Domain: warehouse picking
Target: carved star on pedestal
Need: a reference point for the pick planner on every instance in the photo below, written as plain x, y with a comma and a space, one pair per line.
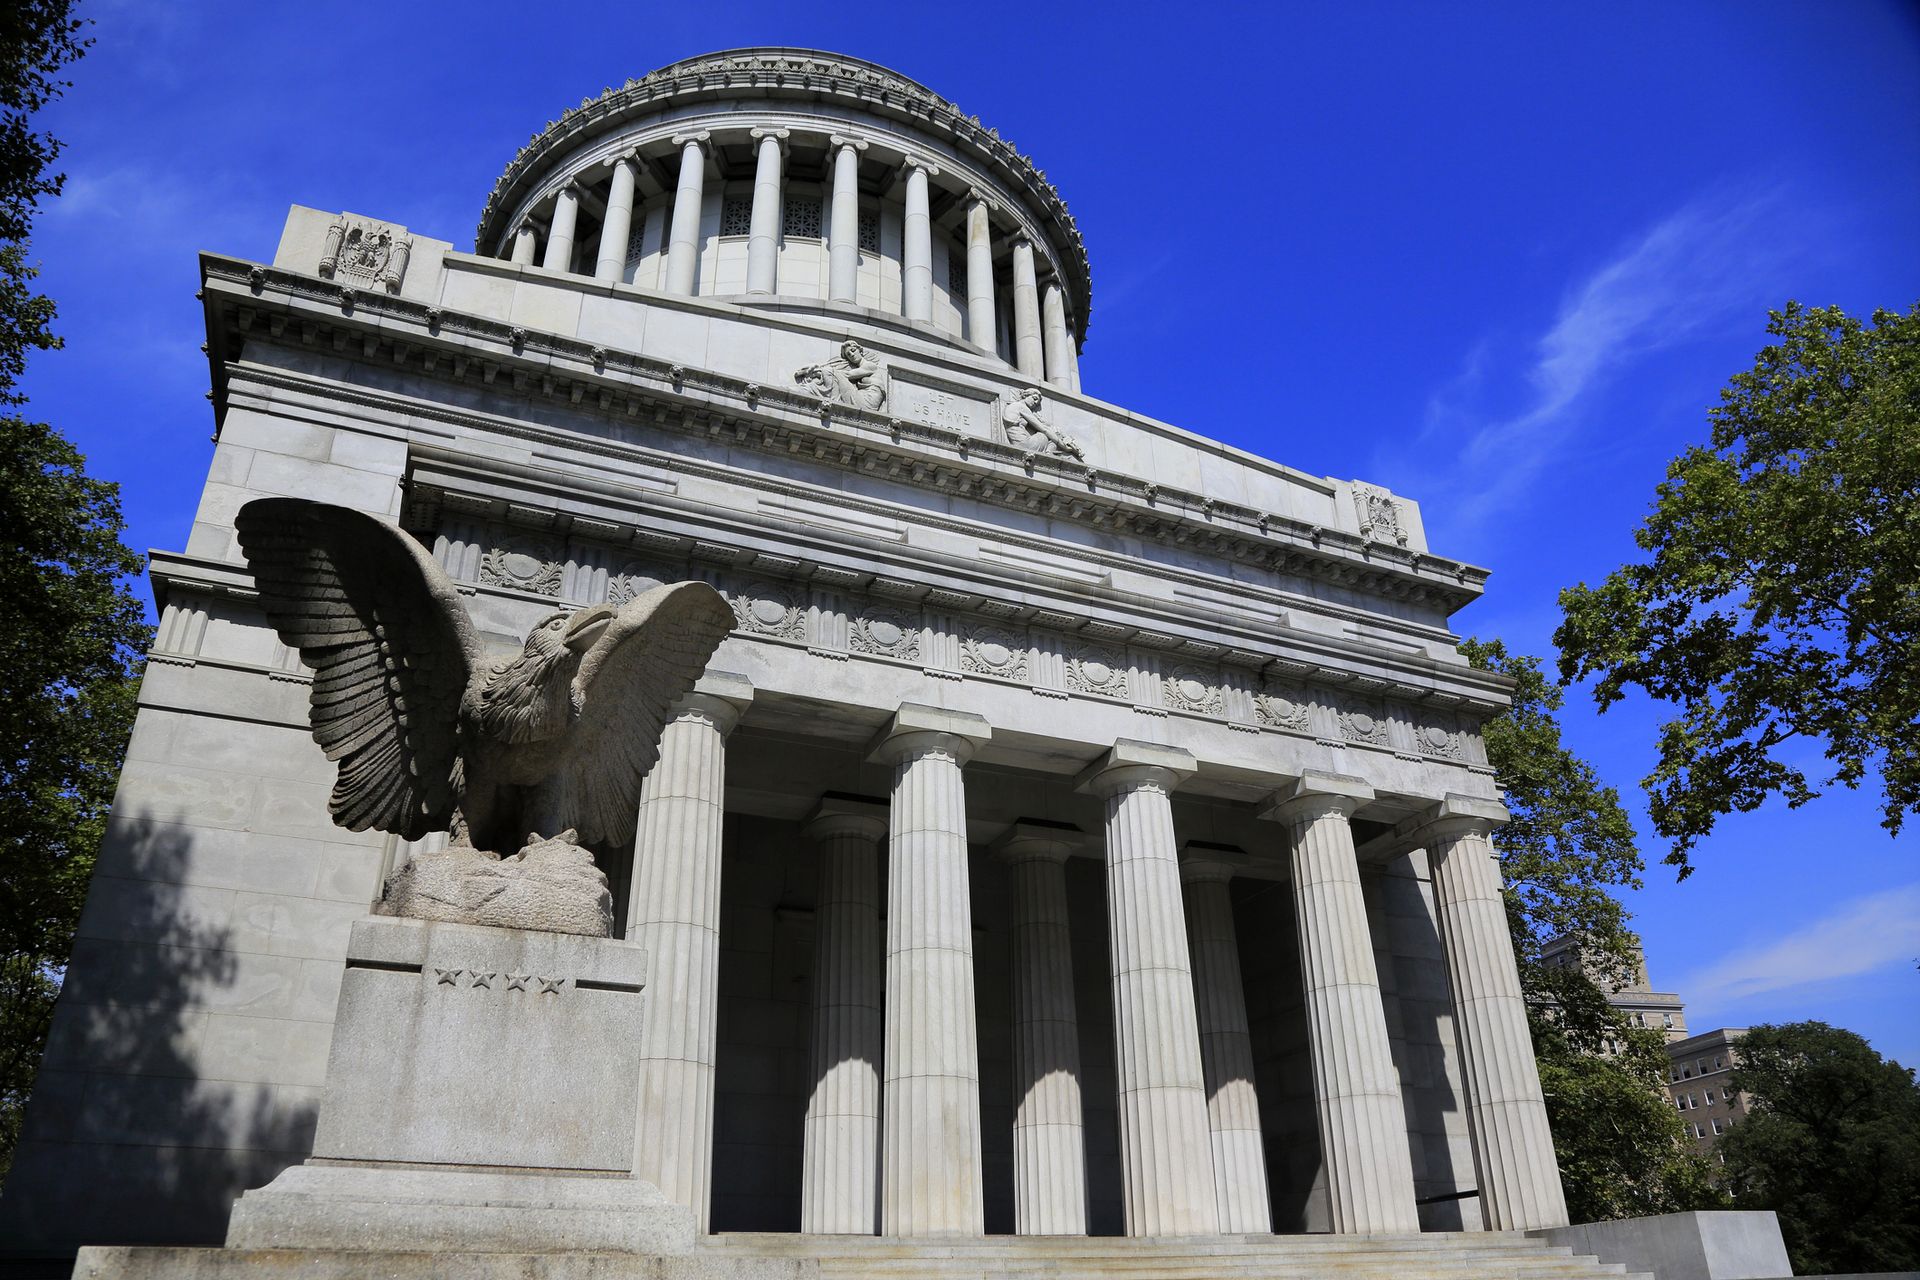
448, 977
550, 986
481, 979
518, 981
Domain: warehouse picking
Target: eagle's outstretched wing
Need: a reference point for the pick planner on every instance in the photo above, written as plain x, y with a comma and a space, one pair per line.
391, 648
650, 654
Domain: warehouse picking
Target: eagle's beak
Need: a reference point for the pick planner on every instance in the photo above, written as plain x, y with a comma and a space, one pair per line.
585, 627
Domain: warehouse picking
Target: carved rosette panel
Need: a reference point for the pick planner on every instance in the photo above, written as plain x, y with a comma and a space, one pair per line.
1191, 688
1440, 736
990, 650
1363, 720
769, 609
525, 563
1283, 706
890, 633
1091, 669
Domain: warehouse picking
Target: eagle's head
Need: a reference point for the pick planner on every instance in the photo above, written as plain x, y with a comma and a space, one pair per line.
528, 699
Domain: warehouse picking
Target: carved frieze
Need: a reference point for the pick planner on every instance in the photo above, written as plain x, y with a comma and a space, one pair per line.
524, 562
1283, 706
1362, 719
1192, 688
634, 578
888, 632
1092, 669
1438, 734
769, 608
992, 650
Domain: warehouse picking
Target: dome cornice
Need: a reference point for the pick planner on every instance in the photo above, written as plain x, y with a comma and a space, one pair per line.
806, 74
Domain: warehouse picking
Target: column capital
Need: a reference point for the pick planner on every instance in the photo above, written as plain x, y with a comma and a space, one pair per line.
841, 141
1448, 818
1130, 766
779, 136
1315, 794
931, 169
844, 815
917, 729
1045, 841
719, 697
976, 196
683, 139
1202, 863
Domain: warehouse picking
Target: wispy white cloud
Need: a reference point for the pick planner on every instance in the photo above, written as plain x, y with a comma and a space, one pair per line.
1708, 263
1869, 933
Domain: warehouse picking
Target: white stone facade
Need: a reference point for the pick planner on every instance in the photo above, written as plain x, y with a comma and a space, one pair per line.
993, 706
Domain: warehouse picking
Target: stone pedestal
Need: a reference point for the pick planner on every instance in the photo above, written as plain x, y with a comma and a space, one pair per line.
479, 1097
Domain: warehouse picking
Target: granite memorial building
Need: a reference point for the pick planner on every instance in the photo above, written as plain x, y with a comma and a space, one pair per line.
1085, 829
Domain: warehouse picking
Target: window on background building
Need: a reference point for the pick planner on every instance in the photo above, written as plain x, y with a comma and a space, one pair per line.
1719, 1062
1667, 1019
1717, 1131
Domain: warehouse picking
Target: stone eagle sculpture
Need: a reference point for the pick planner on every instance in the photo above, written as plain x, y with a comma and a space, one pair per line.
427, 733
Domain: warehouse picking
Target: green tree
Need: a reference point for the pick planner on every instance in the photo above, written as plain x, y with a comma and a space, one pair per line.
1781, 599
1569, 847
70, 628
1832, 1145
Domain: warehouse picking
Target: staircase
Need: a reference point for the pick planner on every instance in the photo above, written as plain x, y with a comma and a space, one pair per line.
1466, 1255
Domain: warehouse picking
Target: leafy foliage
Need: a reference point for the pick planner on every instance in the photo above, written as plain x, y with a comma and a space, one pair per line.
1782, 597
1620, 1144
1832, 1146
70, 629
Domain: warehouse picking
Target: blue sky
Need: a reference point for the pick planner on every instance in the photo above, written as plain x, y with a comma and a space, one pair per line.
1499, 257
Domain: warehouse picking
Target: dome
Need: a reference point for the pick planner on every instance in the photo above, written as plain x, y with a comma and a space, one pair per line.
726, 175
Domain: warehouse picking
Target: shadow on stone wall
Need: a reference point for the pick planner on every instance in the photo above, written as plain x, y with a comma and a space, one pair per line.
131, 1136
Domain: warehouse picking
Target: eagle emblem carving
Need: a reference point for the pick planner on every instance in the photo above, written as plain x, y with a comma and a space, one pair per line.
427, 733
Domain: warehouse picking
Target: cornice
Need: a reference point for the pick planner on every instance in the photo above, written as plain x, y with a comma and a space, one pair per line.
806, 74
309, 311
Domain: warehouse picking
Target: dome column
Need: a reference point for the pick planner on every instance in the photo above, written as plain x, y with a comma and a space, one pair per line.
916, 255
566, 215
980, 309
763, 231
1028, 354
683, 241
526, 242
843, 226
617, 229
1059, 340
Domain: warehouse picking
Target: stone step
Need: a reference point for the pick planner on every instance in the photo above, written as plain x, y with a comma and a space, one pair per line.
1480, 1256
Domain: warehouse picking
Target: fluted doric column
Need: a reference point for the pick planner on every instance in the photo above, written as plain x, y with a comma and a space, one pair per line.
526, 244
840, 1144
843, 227
674, 912
683, 239
1226, 1048
930, 1174
1053, 309
1049, 1148
566, 215
981, 320
1363, 1123
617, 229
1512, 1146
916, 248
1028, 354
763, 230
1166, 1156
